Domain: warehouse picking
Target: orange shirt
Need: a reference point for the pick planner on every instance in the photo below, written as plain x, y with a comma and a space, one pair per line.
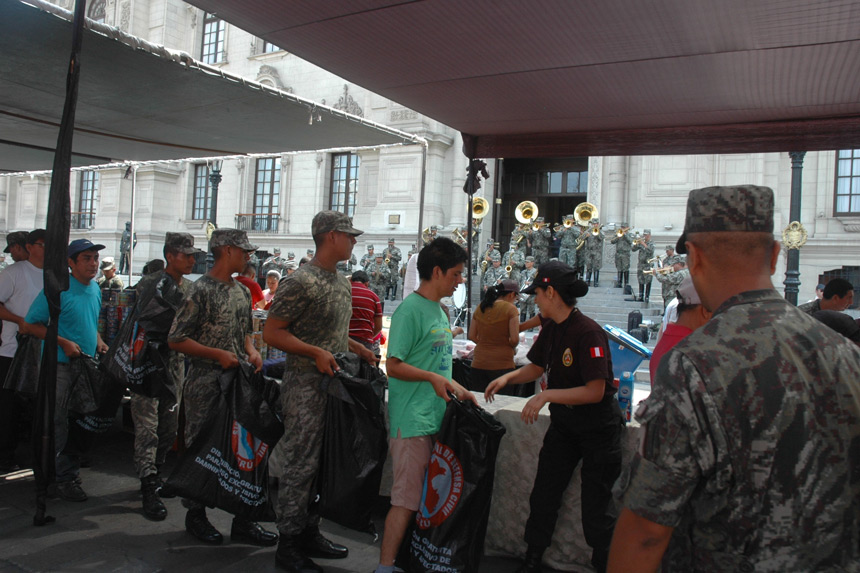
492, 349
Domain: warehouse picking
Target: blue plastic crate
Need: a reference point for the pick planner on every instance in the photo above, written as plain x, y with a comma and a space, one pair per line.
626, 351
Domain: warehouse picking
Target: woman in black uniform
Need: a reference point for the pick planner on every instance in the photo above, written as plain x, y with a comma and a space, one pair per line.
586, 421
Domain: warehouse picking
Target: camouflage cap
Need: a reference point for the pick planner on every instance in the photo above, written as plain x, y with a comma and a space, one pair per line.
670, 247
327, 221
646, 231
276, 250
231, 238
390, 239
107, 264
738, 208
310, 252
495, 256
291, 255
369, 248
15, 238
181, 243
530, 259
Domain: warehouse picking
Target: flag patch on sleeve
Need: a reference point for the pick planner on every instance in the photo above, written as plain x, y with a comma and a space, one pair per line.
597, 352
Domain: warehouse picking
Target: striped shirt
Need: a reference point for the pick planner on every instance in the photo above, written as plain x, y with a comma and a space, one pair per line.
365, 308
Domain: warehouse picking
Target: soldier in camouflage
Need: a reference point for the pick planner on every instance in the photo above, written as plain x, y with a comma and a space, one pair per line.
309, 320
275, 263
751, 434
380, 276
156, 419
367, 259
593, 250
516, 260
645, 248
394, 256
671, 258
527, 306
669, 282
494, 273
213, 328
538, 241
622, 257
567, 246
109, 279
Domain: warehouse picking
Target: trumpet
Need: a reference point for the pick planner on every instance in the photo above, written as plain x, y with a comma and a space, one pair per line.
621, 232
656, 260
387, 260
596, 230
537, 226
659, 271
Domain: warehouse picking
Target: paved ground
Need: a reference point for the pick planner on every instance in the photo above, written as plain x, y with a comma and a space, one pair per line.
109, 533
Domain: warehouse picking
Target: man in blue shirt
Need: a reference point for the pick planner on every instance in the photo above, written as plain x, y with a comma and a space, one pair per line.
77, 333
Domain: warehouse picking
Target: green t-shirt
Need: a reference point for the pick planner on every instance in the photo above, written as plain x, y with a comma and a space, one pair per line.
420, 336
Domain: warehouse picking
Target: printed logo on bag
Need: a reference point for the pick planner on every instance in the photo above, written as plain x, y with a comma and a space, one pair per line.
249, 451
442, 487
567, 357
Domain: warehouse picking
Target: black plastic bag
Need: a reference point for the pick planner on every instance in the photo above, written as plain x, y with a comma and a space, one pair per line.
23, 374
449, 528
138, 357
93, 400
355, 444
227, 465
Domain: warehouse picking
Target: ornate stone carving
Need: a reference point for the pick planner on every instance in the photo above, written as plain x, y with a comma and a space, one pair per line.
286, 161
594, 164
124, 16
794, 236
273, 76
96, 10
347, 104
192, 10
850, 224
402, 115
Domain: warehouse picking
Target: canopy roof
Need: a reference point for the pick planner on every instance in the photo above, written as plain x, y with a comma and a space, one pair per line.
591, 77
138, 101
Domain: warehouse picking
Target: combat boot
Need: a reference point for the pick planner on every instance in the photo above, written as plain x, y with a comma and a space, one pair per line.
316, 545
531, 564
596, 278
291, 558
197, 525
153, 507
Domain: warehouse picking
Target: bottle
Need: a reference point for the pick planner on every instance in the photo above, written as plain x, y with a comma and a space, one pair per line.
625, 395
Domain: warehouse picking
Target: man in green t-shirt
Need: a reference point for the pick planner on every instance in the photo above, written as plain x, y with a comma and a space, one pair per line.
419, 380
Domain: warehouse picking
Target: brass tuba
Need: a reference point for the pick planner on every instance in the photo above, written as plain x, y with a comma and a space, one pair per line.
526, 211
584, 213
480, 206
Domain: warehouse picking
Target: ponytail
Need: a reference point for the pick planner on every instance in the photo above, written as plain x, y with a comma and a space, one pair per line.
491, 296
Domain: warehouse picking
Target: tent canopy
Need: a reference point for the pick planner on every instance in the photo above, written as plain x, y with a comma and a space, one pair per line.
591, 77
138, 101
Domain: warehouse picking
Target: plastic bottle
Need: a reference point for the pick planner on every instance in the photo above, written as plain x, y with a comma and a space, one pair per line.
625, 395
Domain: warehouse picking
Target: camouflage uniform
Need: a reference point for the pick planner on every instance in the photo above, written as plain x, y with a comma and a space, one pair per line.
157, 419
394, 257
622, 257
114, 283
810, 307
527, 306
380, 276
275, 263
672, 259
367, 258
318, 305
747, 434
646, 252
593, 250
567, 248
492, 276
516, 260
670, 283
539, 241
217, 315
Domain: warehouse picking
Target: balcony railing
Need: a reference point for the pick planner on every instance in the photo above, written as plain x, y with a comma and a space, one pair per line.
258, 222
83, 220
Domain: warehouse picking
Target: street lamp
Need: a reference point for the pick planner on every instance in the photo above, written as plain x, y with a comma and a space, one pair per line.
214, 180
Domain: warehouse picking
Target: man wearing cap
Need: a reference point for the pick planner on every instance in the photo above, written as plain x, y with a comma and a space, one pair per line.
275, 262
567, 246
380, 276
538, 241
494, 273
622, 257
837, 295
527, 306
156, 418
393, 254
109, 280
751, 431
16, 245
645, 248
291, 256
593, 253
368, 258
309, 320
516, 260
310, 253
77, 333
671, 258
669, 282
19, 285
213, 327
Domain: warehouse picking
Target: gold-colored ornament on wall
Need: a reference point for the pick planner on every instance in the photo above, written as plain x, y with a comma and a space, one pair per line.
794, 236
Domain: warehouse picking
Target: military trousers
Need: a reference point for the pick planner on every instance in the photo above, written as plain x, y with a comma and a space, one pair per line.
303, 405
595, 440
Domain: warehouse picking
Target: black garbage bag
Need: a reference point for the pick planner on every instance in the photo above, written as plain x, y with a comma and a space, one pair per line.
23, 374
138, 357
355, 444
93, 401
227, 465
451, 522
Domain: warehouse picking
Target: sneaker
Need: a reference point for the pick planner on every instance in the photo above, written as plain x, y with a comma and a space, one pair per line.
71, 491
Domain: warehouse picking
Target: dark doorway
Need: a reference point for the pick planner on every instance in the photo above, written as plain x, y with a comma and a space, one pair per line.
556, 186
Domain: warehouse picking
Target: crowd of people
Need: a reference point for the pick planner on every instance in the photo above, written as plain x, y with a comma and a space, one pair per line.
751, 434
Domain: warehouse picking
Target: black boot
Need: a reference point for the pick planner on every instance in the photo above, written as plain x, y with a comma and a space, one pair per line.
647, 292
596, 278
588, 278
153, 507
251, 532
531, 564
641, 293
619, 282
290, 557
626, 278
315, 545
197, 525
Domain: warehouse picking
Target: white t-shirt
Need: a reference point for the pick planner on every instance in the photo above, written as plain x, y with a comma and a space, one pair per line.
410, 277
19, 285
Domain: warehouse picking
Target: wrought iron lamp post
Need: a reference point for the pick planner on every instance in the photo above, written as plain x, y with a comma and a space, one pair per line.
214, 181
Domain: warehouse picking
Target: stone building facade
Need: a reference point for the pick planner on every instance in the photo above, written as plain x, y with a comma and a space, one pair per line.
275, 198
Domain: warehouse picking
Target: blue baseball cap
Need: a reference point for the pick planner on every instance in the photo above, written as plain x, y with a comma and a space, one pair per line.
80, 245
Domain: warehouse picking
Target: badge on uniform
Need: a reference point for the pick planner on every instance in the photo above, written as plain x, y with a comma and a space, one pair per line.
597, 352
567, 357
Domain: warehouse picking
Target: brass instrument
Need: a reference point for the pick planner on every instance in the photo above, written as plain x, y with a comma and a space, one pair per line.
508, 270
621, 232
456, 232
657, 260
557, 227
537, 226
659, 271
426, 236
484, 264
568, 223
526, 211
596, 230
580, 242
480, 206
387, 260
584, 213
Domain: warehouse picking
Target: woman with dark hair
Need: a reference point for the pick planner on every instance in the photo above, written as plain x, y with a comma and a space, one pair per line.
495, 332
585, 420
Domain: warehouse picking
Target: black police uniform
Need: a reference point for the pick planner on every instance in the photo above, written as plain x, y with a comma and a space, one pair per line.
573, 353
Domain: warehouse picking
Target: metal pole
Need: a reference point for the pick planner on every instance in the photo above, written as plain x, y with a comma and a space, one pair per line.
214, 180
792, 270
131, 239
420, 239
